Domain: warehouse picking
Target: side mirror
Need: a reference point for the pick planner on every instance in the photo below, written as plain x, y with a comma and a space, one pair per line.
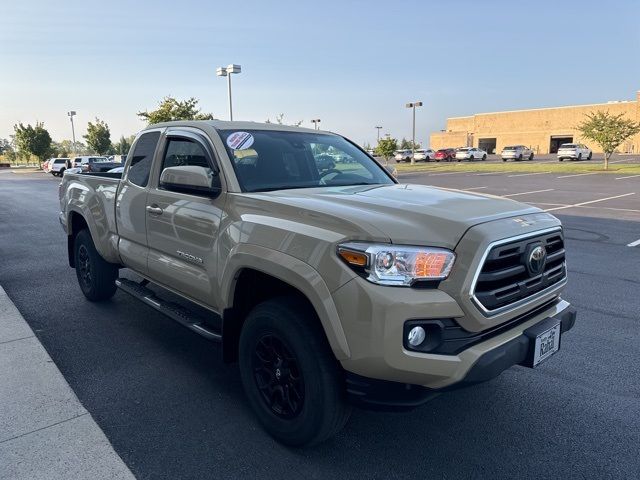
191, 179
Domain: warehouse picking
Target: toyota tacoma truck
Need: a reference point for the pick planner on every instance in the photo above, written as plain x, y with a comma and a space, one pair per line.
331, 286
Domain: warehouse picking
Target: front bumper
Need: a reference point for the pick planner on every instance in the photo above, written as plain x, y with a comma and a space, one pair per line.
378, 394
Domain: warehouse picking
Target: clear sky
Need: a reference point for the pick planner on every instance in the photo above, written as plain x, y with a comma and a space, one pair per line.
353, 64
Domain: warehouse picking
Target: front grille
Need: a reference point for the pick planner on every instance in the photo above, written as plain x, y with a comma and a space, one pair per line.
507, 277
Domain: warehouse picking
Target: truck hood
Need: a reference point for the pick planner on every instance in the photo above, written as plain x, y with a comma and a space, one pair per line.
406, 214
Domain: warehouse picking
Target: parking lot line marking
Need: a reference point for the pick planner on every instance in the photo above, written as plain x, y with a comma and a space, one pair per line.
549, 204
589, 202
634, 244
491, 173
448, 173
527, 193
474, 188
526, 174
578, 175
628, 176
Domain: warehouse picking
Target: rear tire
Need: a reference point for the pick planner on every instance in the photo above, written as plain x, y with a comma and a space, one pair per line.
484, 157
560, 159
531, 157
579, 157
590, 155
96, 276
290, 376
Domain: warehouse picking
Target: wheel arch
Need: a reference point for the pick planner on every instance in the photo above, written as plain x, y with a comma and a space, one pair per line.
254, 274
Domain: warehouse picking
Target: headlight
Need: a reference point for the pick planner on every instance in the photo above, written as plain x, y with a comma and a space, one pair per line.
397, 264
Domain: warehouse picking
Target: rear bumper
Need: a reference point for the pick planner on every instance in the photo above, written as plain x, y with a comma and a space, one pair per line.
377, 394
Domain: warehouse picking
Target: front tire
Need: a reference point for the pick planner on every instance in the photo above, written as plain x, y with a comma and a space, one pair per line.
290, 376
531, 157
96, 276
484, 157
579, 157
590, 155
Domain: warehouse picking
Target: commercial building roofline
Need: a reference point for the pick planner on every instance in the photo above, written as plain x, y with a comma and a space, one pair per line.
616, 102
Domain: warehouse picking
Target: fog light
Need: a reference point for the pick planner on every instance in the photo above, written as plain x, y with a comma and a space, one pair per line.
416, 336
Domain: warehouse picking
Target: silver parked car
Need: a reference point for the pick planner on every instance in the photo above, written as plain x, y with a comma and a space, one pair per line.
516, 152
402, 156
574, 151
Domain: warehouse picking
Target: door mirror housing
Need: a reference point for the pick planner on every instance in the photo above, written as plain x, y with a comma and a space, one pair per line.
193, 180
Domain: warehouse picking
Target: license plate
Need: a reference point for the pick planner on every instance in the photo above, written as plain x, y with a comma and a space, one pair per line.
547, 343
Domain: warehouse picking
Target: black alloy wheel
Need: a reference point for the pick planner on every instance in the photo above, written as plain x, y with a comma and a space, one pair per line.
277, 374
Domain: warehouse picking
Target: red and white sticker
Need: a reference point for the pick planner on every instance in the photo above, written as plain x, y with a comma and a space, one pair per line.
240, 140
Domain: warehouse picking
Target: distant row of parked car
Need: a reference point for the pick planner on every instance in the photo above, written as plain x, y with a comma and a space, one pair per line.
567, 151
85, 163
444, 154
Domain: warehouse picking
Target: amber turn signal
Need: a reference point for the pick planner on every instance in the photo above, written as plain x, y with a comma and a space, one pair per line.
357, 259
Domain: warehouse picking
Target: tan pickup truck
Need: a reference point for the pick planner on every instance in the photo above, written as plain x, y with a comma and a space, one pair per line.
327, 280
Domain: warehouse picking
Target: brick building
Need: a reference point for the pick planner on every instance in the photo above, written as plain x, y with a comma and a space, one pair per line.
542, 129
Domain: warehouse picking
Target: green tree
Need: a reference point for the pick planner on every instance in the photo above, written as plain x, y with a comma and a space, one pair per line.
608, 131
170, 109
280, 121
98, 137
123, 145
33, 140
386, 147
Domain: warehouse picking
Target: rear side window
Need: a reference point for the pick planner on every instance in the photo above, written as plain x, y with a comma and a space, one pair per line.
142, 158
183, 152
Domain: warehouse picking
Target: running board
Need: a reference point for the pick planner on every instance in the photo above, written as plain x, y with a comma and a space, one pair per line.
172, 310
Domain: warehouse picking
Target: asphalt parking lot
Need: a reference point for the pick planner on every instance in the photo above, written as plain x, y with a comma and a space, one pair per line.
172, 409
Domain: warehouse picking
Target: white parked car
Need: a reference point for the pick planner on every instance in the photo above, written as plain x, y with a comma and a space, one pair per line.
424, 155
470, 153
574, 151
403, 155
516, 152
57, 166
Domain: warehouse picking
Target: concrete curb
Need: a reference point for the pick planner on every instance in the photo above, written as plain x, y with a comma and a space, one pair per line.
45, 432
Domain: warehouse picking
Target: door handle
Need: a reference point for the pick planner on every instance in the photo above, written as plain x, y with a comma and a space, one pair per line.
154, 210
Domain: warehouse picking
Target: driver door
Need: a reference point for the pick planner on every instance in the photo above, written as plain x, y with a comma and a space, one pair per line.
182, 228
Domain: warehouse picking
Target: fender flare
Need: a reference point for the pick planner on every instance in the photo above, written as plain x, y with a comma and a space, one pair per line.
105, 246
294, 272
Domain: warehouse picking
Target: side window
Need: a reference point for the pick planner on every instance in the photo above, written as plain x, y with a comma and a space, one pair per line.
182, 152
142, 159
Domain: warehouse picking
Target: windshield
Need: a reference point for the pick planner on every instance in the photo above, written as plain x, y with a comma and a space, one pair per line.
568, 145
266, 160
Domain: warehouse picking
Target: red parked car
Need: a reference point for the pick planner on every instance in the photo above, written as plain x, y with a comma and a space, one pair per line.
446, 154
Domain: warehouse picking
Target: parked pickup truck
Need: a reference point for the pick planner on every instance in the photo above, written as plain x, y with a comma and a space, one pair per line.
331, 288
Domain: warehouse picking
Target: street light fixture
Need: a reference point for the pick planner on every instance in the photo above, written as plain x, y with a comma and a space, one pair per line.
227, 72
315, 122
71, 114
413, 105
378, 133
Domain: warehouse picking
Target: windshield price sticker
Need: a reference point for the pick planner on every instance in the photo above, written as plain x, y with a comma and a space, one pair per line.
240, 140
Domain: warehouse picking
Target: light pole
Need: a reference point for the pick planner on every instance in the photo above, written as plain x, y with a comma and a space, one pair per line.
226, 72
315, 122
413, 105
73, 132
378, 128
